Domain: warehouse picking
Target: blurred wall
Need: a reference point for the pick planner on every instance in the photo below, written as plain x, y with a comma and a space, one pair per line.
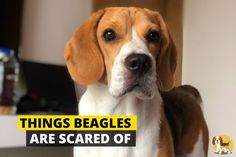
47, 25
209, 53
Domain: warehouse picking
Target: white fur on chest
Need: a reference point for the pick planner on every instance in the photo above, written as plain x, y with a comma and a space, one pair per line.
98, 101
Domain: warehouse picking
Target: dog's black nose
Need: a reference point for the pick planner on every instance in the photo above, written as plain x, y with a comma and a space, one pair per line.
138, 63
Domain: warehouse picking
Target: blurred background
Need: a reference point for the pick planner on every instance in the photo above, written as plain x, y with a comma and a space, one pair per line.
37, 30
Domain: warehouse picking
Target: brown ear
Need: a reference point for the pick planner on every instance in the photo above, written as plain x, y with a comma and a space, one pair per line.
221, 140
82, 52
213, 140
167, 58
166, 64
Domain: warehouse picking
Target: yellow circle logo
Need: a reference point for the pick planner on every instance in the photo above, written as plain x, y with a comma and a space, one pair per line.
222, 144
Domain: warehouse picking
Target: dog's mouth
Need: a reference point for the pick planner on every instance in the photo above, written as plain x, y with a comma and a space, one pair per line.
132, 87
140, 90
142, 87
129, 87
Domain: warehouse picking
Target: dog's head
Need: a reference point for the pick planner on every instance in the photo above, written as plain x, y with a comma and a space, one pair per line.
129, 49
217, 140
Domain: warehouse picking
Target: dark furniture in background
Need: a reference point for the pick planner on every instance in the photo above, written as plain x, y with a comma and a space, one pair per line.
10, 23
50, 90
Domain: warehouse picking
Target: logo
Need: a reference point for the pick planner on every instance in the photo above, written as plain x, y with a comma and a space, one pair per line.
222, 144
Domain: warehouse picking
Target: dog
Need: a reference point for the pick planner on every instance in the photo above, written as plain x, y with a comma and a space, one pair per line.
221, 147
127, 59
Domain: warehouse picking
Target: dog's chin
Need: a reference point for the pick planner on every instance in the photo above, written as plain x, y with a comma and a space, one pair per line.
141, 91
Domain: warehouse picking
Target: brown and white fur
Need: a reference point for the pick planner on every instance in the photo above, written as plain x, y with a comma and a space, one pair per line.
126, 56
221, 147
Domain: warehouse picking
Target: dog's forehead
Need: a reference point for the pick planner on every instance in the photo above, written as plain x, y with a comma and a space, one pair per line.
127, 15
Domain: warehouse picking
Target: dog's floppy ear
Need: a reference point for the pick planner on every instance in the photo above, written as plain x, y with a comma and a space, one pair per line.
213, 140
82, 52
221, 140
166, 61
166, 64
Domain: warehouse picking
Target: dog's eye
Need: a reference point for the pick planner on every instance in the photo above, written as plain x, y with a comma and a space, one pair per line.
153, 36
109, 35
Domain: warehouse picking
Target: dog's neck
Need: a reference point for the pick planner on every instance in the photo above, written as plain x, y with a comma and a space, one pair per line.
98, 101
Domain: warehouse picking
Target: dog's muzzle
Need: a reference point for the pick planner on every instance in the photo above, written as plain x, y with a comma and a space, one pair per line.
138, 66
136, 74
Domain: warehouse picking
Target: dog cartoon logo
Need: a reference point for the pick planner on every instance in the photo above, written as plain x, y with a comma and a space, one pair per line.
222, 144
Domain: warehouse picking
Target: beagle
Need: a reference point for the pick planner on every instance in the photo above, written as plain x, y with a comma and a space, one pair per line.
221, 147
126, 56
